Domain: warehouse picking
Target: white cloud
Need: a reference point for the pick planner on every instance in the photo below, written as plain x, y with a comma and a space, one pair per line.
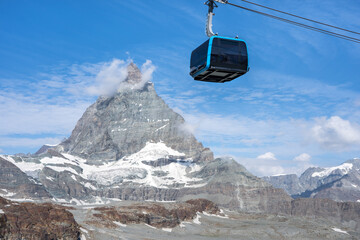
113, 75
267, 156
147, 70
304, 157
109, 79
336, 133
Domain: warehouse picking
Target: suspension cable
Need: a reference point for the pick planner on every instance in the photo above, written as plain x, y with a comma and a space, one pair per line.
345, 37
307, 19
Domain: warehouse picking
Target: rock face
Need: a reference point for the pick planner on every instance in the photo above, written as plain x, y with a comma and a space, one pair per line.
156, 215
121, 125
347, 213
43, 149
15, 183
36, 221
290, 183
230, 185
340, 183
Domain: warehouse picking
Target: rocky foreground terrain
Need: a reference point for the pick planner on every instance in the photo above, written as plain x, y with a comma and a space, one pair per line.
36, 221
130, 170
193, 219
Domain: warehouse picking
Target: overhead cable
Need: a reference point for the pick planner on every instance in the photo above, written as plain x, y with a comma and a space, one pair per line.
345, 37
307, 19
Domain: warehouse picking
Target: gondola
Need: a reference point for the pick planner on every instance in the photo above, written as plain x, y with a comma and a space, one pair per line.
219, 59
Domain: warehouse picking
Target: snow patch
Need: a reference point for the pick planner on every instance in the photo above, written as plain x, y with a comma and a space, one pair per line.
167, 229
154, 151
339, 230
197, 218
55, 160
51, 179
150, 226
7, 193
83, 230
62, 169
278, 175
161, 127
2, 212
215, 215
89, 185
119, 224
25, 166
344, 168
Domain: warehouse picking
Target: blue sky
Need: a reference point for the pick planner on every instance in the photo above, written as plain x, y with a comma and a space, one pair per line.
299, 105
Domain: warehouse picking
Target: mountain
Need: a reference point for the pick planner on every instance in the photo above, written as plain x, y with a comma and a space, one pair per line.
132, 146
340, 183
16, 184
121, 125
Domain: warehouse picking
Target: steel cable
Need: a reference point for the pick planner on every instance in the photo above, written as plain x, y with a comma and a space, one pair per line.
345, 37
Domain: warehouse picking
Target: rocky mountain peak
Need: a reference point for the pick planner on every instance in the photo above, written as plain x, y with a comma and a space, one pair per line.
120, 125
134, 74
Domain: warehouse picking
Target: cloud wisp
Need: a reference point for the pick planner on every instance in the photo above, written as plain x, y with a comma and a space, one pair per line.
113, 77
304, 157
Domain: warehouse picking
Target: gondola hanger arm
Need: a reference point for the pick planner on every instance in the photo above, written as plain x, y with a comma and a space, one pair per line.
211, 4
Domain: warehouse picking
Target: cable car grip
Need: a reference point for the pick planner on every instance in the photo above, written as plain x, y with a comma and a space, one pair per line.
211, 4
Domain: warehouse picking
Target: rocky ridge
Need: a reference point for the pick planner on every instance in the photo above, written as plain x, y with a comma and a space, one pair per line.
36, 221
154, 214
340, 183
17, 184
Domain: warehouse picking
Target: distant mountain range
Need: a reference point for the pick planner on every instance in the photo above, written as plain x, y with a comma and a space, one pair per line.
340, 183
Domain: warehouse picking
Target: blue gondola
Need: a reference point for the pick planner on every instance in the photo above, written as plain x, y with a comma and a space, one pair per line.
219, 59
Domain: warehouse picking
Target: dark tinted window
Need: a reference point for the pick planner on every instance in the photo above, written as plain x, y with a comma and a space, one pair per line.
199, 55
230, 54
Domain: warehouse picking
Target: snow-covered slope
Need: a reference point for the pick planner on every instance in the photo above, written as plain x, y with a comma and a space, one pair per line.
155, 165
342, 169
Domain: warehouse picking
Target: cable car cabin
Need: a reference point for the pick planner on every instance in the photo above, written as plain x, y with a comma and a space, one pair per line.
219, 59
